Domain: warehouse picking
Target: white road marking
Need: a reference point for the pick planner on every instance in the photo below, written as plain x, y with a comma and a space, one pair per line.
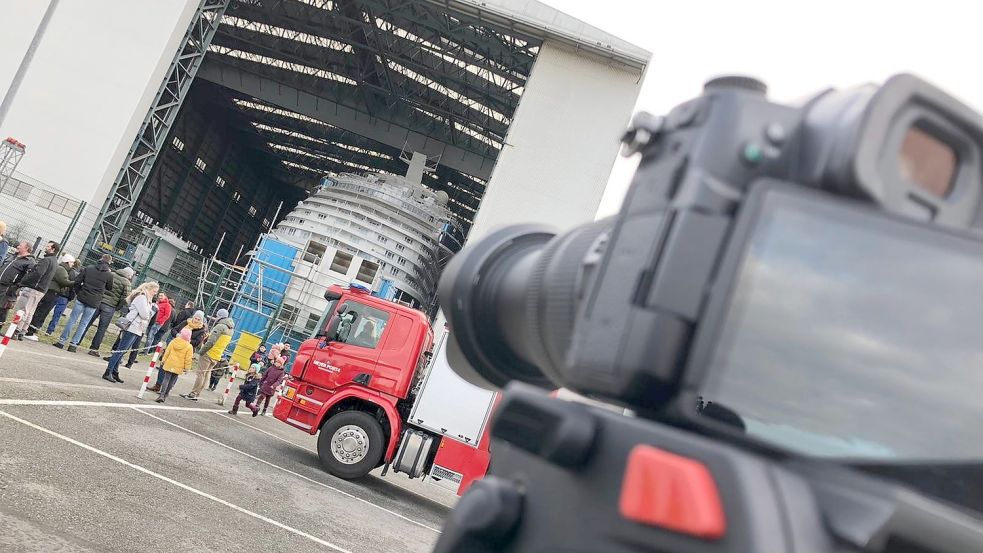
73, 403
64, 384
173, 482
81, 358
288, 471
225, 415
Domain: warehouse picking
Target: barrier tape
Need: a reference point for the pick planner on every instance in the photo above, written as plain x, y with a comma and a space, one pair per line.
150, 371
10, 331
228, 385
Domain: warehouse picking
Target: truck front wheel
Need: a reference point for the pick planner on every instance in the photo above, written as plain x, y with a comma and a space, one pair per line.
350, 444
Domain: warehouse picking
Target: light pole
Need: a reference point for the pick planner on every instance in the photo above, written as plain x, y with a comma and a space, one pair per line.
8, 98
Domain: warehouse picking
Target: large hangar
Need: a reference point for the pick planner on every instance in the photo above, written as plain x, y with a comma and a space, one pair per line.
519, 104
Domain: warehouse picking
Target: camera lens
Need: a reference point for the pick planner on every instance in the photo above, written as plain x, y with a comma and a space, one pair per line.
511, 299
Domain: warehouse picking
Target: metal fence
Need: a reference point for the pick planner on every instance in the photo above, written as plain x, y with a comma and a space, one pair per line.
37, 213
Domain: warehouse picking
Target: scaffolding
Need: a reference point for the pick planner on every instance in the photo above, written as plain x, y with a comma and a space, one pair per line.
271, 296
11, 152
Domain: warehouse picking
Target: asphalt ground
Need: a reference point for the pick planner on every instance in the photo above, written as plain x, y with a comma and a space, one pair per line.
87, 466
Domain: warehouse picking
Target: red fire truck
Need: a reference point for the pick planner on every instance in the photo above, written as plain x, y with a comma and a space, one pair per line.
375, 386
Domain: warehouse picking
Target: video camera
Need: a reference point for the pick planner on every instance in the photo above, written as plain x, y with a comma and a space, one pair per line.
789, 303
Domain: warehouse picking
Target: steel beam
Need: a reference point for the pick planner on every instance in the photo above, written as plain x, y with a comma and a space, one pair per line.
153, 132
288, 97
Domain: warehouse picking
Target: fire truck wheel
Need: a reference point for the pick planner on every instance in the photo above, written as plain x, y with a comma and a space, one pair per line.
350, 444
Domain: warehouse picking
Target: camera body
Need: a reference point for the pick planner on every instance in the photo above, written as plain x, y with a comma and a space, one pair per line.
644, 310
571, 478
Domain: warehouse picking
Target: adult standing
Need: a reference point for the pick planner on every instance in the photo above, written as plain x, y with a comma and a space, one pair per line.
58, 291
162, 319
13, 273
92, 285
33, 288
138, 319
112, 301
62, 301
182, 317
211, 352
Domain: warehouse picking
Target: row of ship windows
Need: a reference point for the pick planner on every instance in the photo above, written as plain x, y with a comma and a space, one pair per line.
313, 256
369, 191
356, 209
382, 239
342, 260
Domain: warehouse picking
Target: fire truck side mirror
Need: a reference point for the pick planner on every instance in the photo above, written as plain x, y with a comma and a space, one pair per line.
330, 333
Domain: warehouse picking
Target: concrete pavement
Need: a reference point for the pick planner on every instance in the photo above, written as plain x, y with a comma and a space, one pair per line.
86, 466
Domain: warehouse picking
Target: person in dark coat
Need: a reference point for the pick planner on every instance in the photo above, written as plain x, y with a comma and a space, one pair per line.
182, 317
112, 302
33, 288
92, 285
268, 385
247, 393
12, 274
61, 302
259, 356
218, 372
58, 290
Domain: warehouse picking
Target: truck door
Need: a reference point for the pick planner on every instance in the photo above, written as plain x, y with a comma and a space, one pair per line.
354, 355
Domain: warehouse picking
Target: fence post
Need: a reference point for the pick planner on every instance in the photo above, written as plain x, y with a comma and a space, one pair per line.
150, 370
10, 331
228, 385
71, 228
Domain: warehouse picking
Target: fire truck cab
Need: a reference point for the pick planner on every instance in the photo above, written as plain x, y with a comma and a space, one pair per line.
374, 385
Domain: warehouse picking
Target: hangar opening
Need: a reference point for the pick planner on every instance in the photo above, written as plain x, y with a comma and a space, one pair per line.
269, 101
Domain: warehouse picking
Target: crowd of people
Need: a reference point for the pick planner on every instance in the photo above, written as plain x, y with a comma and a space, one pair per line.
97, 295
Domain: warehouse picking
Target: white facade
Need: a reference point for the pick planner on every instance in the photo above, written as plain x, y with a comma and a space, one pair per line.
562, 143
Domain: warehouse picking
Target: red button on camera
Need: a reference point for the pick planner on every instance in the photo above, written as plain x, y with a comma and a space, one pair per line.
673, 492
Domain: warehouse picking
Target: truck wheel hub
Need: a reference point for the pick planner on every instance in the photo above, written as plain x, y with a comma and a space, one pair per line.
349, 444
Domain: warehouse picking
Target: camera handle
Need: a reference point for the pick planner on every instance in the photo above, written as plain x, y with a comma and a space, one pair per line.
560, 479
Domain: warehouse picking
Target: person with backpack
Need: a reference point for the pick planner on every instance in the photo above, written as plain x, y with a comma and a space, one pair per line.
62, 301
92, 285
12, 274
33, 288
58, 290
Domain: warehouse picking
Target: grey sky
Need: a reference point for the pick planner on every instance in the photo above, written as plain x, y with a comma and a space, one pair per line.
72, 111
797, 48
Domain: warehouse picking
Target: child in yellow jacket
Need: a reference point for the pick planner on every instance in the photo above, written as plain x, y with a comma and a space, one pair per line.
178, 357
